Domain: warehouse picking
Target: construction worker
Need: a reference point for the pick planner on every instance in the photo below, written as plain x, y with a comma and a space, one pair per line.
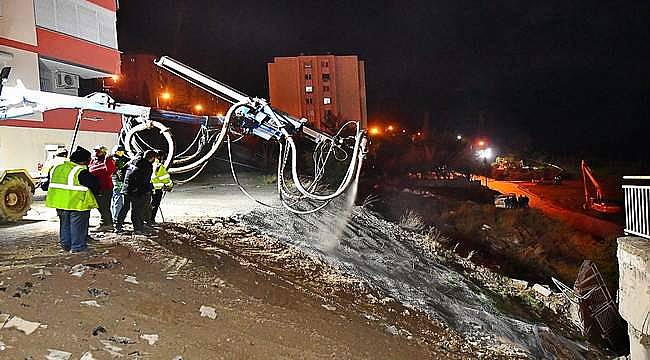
137, 192
121, 161
71, 190
161, 182
60, 157
103, 167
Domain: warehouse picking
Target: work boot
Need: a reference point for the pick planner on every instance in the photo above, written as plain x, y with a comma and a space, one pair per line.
103, 228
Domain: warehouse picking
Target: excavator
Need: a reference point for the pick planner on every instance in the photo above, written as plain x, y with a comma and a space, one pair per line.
595, 202
247, 116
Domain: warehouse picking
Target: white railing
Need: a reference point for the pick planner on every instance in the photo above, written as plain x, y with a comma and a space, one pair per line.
637, 205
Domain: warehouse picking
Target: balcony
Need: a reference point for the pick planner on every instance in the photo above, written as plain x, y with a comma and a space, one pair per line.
637, 205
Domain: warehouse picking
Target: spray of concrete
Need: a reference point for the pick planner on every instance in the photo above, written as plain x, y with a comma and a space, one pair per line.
336, 218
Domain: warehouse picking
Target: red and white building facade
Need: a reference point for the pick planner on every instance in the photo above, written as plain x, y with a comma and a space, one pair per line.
54, 46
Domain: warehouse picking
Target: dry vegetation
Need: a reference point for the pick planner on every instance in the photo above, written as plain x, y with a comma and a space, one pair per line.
521, 243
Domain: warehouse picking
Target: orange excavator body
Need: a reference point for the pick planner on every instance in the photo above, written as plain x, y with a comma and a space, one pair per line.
595, 202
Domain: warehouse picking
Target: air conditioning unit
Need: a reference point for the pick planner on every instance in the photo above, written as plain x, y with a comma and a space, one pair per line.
66, 80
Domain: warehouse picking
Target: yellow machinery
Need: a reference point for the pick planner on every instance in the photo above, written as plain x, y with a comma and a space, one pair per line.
16, 194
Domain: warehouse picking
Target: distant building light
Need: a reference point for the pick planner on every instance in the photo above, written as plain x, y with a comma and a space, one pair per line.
391, 128
459, 137
327, 101
374, 130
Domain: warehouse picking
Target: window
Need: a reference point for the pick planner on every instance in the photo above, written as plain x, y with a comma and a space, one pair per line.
324, 64
328, 114
309, 89
309, 100
326, 77
308, 65
326, 88
307, 76
327, 101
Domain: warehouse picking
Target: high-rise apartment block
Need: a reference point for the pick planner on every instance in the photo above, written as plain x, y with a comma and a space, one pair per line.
59, 46
324, 89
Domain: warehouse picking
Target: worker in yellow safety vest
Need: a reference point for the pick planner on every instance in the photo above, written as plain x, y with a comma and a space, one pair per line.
70, 190
161, 182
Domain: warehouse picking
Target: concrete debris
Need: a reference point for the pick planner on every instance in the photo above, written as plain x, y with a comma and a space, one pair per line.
131, 279
87, 356
329, 307
92, 303
121, 340
207, 311
78, 270
27, 327
542, 290
23, 290
41, 274
150, 338
99, 330
392, 329
103, 265
97, 292
58, 355
111, 349
520, 284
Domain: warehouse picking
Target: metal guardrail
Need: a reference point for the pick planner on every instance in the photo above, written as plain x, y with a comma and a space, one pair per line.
637, 205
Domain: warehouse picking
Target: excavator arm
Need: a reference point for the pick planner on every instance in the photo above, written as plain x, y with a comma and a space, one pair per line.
246, 116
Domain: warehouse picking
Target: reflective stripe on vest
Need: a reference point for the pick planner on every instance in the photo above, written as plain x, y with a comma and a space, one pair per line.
65, 192
161, 177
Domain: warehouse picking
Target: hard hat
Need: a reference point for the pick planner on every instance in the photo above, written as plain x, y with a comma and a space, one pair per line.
101, 147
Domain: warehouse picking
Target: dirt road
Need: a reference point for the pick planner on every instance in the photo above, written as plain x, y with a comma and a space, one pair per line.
580, 221
258, 315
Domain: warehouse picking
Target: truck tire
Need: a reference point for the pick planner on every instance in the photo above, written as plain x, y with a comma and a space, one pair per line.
15, 199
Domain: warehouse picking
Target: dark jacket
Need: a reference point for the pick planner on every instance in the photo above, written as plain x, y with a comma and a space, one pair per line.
137, 180
121, 163
89, 180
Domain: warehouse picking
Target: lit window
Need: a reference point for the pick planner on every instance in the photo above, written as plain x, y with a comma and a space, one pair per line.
309, 89
327, 101
307, 65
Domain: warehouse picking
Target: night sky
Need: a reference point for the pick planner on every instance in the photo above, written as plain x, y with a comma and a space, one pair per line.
565, 77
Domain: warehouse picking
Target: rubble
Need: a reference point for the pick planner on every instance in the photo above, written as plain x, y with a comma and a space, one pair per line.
150, 338
87, 356
96, 292
57, 355
78, 270
91, 303
27, 327
131, 279
542, 290
121, 340
207, 311
99, 330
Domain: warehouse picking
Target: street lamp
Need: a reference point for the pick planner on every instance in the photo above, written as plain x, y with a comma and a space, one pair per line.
165, 96
198, 108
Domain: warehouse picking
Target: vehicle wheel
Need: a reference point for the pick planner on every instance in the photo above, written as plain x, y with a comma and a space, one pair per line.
15, 199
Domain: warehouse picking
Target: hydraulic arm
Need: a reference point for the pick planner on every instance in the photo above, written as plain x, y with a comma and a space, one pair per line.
246, 116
